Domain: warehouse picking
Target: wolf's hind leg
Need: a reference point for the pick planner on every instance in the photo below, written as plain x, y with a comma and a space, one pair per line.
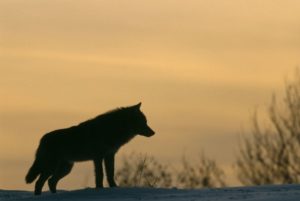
98, 173
61, 171
40, 182
109, 162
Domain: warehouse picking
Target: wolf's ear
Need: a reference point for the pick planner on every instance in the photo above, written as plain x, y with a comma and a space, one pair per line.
137, 106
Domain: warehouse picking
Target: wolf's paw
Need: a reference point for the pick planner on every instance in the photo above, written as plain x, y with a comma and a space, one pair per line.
99, 187
113, 185
37, 192
52, 185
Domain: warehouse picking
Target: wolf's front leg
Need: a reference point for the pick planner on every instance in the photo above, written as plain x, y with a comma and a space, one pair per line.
109, 162
98, 173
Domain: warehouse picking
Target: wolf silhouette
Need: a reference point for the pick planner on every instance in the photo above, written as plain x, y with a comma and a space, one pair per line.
97, 139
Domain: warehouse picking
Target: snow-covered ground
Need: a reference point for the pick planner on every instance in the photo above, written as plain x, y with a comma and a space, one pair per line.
265, 193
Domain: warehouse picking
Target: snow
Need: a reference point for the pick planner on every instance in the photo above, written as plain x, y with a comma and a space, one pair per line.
259, 193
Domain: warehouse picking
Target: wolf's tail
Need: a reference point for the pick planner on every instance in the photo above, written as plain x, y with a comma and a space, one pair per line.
33, 172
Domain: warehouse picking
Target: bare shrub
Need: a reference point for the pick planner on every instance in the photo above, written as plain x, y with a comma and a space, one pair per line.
143, 171
204, 174
272, 155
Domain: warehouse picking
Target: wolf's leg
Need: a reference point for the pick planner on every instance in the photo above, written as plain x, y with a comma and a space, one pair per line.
61, 171
40, 182
98, 172
109, 162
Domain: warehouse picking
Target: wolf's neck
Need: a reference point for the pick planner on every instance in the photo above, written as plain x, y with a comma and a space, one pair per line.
123, 139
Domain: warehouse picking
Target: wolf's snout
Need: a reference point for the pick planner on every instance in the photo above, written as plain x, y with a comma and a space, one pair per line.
149, 132
152, 132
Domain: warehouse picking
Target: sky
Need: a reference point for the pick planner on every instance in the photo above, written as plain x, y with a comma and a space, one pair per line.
199, 67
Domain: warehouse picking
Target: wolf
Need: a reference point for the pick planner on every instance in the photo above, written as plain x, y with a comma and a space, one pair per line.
97, 139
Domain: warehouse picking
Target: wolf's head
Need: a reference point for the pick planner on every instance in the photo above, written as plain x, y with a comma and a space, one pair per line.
139, 121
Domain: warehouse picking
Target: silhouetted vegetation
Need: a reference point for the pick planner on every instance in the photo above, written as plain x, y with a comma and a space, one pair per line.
146, 171
204, 174
142, 170
272, 154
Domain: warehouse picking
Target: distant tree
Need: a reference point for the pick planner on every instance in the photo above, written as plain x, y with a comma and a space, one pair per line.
143, 171
272, 155
204, 174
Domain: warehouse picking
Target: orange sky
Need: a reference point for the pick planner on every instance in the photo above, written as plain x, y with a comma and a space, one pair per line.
200, 67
